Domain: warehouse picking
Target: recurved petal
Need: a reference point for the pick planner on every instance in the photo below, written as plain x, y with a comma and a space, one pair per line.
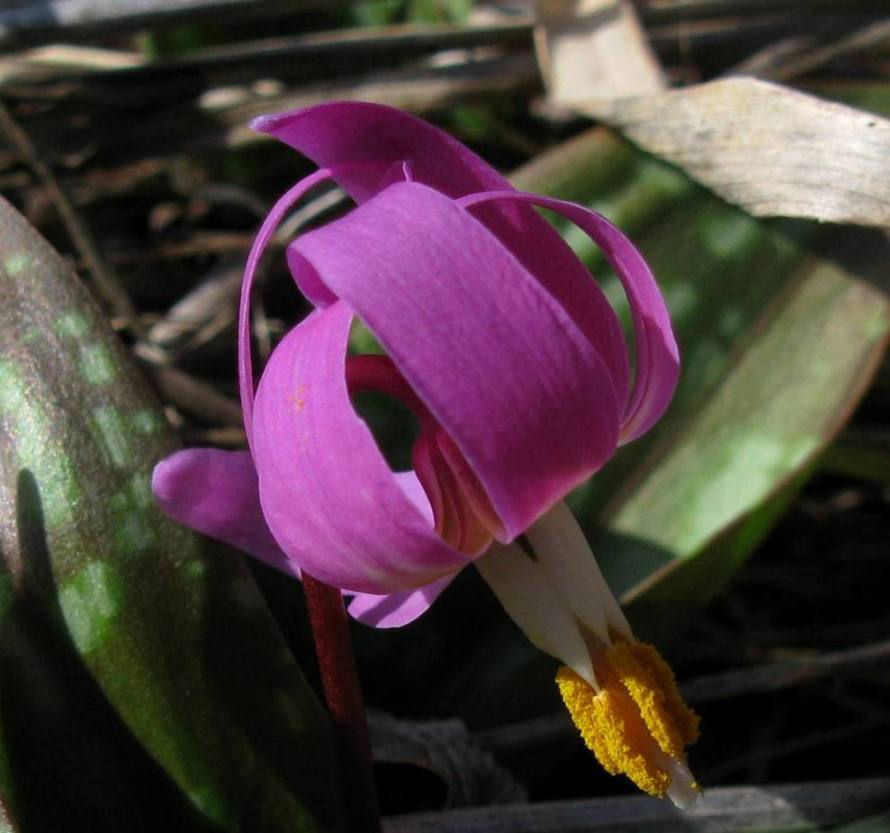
273, 218
495, 358
326, 491
367, 144
396, 609
367, 147
215, 492
658, 358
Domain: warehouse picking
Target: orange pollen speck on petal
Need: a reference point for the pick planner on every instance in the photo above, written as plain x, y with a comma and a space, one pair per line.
635, 721
298, 398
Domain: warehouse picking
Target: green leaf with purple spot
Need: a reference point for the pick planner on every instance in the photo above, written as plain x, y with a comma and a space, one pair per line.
171, 627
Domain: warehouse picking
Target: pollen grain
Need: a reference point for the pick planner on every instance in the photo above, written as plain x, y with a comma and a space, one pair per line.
298, 398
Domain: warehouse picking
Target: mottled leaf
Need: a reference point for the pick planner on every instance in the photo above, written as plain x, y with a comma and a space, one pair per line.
68, 760
795, 376
100, 586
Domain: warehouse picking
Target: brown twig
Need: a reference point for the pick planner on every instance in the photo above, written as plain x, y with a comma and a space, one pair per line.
800, 60
193, 395
208, 308
227, 436
105, 281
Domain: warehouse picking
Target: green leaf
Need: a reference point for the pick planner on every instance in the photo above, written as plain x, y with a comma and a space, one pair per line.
795, 375
100, 589
68, 760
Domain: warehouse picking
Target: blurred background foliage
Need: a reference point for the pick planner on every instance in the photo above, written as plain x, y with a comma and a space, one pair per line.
148, 679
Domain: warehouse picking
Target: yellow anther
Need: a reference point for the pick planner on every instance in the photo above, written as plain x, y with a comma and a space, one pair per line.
635, 721
651, 684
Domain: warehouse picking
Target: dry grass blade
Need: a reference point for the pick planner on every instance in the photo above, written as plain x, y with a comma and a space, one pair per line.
332, 52
787, 807
691, 10
210, 307
771, 150
59, 59
191, 394
871, 36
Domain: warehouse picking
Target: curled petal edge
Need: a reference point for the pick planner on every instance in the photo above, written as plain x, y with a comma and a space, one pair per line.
395, 610
658, 357
345, 518
264, 235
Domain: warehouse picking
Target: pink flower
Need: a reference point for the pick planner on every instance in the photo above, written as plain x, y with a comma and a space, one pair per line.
500, 342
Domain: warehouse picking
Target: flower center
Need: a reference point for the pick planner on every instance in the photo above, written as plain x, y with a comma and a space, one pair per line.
462, 512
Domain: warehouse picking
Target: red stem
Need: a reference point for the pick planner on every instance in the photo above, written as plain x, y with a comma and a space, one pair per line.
343, 694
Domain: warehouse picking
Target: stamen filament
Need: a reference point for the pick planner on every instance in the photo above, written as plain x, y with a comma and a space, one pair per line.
534, 605
565, 556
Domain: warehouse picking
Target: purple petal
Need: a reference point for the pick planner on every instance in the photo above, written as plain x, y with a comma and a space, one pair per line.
369, 145
495, 358
413, 490
658, 359
273, 218
215, 492
396, 609
327, 494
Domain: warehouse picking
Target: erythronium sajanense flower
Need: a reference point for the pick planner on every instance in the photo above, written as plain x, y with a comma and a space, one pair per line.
517, 371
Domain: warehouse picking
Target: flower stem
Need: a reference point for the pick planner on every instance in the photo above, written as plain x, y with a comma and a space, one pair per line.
343, 694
